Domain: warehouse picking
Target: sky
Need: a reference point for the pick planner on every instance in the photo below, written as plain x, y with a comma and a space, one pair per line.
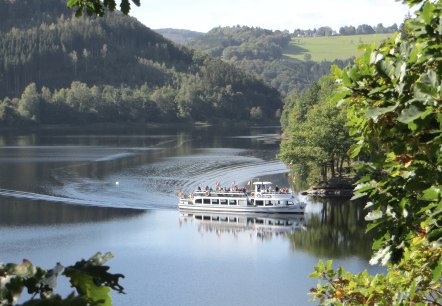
204, 15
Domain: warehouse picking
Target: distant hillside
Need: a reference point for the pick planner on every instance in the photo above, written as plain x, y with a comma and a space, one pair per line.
56, 68
262, 52
330, 48
179, 36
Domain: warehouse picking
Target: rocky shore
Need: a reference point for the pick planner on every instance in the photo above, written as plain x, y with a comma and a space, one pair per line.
333, 188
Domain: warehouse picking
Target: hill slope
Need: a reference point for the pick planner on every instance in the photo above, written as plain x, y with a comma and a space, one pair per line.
179, 36
77, 63
261, 52
330, 48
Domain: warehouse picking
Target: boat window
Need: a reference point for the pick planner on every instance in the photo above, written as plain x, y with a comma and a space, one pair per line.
198, 201
232, 202
289, 203
259, 202
215, 201
223, 201
269, 203
206, 218
206, 201
232, 219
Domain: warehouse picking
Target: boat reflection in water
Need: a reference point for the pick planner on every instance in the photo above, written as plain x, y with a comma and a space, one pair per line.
262, 226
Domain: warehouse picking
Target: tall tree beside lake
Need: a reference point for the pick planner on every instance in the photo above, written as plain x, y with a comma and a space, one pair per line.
317, 140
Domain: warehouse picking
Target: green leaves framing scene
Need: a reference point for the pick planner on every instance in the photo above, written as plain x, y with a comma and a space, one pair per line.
90, 278
97, 7
392, 97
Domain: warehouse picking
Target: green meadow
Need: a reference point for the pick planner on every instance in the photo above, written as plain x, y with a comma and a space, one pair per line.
330, 47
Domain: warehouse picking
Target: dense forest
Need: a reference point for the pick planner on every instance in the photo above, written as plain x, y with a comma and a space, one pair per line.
58, 68
260, 51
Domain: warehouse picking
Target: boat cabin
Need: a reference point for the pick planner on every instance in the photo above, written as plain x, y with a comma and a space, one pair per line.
263, 187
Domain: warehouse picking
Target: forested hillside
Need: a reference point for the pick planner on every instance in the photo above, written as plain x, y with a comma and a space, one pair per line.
58, 68
179, 36
260, 51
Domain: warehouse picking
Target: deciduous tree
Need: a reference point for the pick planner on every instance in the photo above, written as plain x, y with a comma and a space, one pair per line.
394, 99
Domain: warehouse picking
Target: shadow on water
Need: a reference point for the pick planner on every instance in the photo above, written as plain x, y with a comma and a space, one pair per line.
337, 230
17, 212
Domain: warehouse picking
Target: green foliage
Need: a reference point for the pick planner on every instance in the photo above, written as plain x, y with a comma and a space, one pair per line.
90, 278
412, 281
28, 106
97, 7
316, 137
393, 96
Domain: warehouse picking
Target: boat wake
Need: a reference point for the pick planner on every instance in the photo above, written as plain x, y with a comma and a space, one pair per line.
155, 185
48, 198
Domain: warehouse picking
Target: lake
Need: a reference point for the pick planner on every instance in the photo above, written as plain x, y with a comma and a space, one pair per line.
66, 195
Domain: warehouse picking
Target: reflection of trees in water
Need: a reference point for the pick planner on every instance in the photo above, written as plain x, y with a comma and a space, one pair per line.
337, 231
20, 212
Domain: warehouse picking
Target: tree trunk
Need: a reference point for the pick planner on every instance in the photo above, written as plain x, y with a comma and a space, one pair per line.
324, 173
341, 165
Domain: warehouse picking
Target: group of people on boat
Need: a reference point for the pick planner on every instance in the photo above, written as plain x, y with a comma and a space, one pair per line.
234, 188
218, 188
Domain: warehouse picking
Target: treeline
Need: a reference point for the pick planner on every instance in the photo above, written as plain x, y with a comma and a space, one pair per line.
362, 29
260, 52
316, 138
114, 69
202, 97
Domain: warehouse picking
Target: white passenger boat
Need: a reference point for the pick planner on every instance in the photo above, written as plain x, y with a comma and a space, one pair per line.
263, 199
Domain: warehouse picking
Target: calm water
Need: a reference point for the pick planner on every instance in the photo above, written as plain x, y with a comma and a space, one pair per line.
65, 196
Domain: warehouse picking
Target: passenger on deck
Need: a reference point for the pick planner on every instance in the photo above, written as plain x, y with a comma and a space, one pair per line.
276, 188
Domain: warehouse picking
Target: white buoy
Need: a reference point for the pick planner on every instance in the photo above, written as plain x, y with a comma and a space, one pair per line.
117, 183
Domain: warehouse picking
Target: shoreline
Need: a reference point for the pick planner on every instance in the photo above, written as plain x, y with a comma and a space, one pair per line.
127, 126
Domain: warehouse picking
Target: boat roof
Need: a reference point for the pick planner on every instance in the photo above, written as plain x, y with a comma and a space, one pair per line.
262, 183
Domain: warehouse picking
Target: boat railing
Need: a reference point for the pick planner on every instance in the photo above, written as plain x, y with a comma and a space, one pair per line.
269, 193
220, 194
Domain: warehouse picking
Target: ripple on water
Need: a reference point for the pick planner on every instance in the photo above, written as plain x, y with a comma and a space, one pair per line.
155, 185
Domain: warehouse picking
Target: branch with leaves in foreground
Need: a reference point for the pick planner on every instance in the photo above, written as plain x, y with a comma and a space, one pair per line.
90, 278
393, 95
98, 7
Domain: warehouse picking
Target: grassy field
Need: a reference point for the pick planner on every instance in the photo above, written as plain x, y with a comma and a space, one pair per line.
330, 47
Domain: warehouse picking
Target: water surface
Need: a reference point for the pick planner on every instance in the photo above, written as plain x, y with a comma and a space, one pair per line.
66, 195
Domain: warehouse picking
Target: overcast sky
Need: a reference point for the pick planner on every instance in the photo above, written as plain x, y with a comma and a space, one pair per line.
203, 15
